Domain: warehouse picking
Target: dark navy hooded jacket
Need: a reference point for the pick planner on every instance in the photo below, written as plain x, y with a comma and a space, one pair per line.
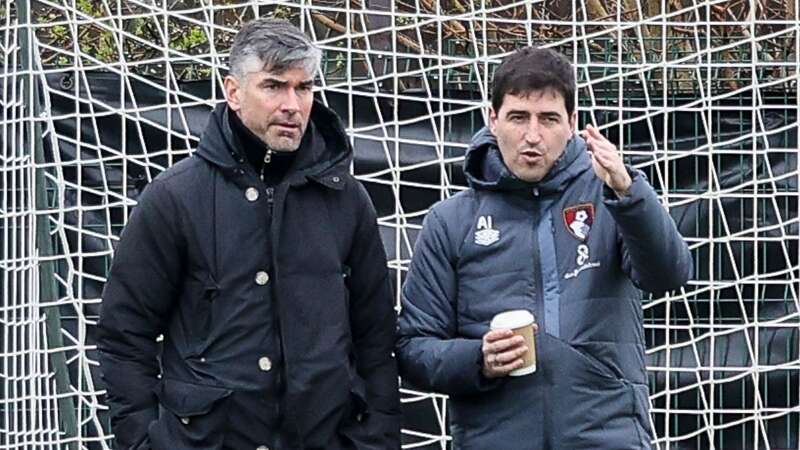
274, 304
590, 388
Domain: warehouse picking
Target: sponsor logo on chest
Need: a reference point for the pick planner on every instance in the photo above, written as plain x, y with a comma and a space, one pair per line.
485, 234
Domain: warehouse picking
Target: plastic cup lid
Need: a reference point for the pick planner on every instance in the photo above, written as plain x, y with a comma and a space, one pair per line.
512, 319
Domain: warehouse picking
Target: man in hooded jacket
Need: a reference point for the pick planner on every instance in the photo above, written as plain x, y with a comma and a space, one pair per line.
259, 262
553, 223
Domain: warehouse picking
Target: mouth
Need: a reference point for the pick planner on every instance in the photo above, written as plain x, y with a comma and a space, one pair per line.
531, 156
287, 126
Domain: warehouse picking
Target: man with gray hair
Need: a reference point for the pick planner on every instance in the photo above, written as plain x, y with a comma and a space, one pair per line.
259, 261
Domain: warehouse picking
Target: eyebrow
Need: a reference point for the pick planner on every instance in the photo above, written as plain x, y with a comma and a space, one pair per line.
550, 114
518, 111
279, 82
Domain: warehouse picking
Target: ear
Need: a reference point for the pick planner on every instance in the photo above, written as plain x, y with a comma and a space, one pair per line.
232, 92
573, 121
492, 120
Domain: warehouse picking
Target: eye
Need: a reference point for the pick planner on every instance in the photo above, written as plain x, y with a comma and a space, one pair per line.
517, 118
551, 120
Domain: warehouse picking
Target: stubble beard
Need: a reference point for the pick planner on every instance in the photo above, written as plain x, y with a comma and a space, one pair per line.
281, 142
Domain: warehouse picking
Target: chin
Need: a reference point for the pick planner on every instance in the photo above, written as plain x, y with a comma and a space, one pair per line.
532, 178
283, 145
529, 176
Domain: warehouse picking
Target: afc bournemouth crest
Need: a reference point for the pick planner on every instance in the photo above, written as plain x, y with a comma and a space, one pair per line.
579, 219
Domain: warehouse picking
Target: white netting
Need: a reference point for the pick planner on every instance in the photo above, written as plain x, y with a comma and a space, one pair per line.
702, 95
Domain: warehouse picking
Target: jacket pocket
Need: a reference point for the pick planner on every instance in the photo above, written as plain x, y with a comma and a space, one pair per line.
204, 312
597, 367
190, 416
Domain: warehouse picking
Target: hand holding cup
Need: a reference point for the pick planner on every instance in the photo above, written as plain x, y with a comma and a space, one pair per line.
509, 349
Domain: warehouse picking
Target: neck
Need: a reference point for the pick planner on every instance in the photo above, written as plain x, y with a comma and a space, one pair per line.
270, 165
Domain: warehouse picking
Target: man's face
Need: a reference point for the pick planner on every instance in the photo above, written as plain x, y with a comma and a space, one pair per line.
274, 106
532, 130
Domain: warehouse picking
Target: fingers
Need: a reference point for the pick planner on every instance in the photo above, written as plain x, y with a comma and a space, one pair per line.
502, 353
508, 368
606, 158
593, 132
503, 333
593, 135
501, 364
497, 361
509, 341
510, 356
495, 335
601, 150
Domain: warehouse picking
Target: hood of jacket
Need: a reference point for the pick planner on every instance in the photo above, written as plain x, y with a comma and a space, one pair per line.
485, 169
324, 148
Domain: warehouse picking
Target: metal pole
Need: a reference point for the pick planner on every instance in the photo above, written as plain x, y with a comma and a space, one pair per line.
47, 281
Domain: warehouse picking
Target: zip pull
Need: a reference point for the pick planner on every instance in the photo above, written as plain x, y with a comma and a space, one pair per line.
270, 199
535, 192
267, 159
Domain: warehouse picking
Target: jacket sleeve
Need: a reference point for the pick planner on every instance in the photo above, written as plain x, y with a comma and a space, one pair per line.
431, 356
373, 325
136, 303
654, 255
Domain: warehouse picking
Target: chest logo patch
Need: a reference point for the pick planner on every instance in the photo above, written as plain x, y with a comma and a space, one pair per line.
485, 234
579, 219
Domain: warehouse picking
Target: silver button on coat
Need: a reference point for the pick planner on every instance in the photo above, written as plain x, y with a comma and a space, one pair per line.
262, 278
264, 364
251, 194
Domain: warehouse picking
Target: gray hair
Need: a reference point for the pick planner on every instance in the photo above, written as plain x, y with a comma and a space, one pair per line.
273, 45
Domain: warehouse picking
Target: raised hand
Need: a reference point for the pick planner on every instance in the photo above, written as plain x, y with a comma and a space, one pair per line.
606, 161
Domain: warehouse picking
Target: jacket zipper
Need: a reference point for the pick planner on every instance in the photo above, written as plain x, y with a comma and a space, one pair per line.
537, 264
267, 160
270, 200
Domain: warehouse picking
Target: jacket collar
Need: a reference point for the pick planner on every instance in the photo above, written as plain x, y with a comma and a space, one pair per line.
323, 157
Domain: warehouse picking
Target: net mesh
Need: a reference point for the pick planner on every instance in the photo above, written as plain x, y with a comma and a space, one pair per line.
701, 95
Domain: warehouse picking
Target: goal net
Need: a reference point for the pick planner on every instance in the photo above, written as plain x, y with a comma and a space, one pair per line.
101, 96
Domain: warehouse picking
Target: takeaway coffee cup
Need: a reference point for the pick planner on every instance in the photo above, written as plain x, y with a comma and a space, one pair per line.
520, 322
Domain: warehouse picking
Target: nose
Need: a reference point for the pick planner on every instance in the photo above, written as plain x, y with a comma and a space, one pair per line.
291, 102
532, 134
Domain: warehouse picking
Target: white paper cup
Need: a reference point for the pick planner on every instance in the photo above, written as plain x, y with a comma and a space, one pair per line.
520, 322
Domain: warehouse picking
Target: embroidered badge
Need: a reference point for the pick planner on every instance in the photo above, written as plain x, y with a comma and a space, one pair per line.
485, 234
579, 220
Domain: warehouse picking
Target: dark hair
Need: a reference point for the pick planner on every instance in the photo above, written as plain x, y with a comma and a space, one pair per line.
533, 69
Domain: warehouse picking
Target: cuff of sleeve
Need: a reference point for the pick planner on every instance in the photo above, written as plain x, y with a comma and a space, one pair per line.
638, 189
483, 384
